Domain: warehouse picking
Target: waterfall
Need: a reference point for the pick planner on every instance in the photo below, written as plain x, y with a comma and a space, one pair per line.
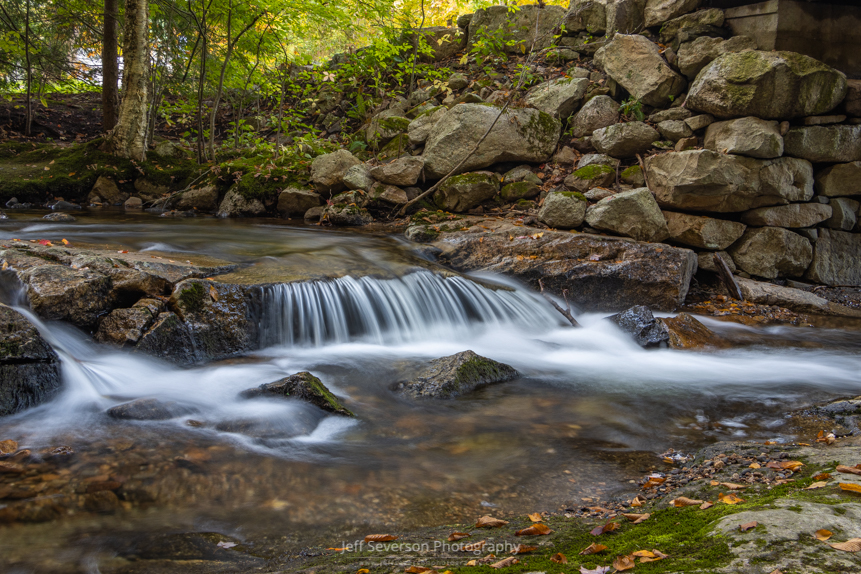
416, 306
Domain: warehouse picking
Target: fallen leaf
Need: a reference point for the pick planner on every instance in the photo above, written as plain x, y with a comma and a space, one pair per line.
336, 549
729, 498
596, 570
623, 563
474, 546
417, 570
380, 538
535, 517
654, 481
656, 555
505, 563
851, 545
593, 549
849, 470
213, 293
822, 476
637, 518
559, 558
706, 505
754, 465
534, 530
609, 527
455, 536
363, 571
683, 501
226, 544
644, 554
523, 549
65, 241
490, 522
733, 486
850, 487
822, 534
748, 526
818, 484
472, 563
770, 442
638, 501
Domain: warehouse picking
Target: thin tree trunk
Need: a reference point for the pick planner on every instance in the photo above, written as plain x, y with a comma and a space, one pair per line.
28, 122
129, 136
201, 151
110, 67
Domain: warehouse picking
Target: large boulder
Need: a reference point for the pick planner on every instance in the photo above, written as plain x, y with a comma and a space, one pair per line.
384, 127
625, 16
358, 177
587, 15
327, 171
563, 210
202, 199
295, 201
599, 112
844, 213
703, 232
772, 252
599, 273
703, 22
839, 180
145, 410
686, 333
560, 97
659, 11
636, 64
168, 339
768, 85
852, 104
403, 171
831, 144
633, 214
453, 376
625, 140
695, 55
29, 367
752, 137
466, 191
835, 258
60, 293
106, 191
346, 215
303, 386
702, 180
235, 204
520, 135
794, 215
420, 128
527, 27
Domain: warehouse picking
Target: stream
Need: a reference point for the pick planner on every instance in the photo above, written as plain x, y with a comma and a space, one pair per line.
589, 414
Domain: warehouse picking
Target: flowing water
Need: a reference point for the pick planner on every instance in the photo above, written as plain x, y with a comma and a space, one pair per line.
589, 413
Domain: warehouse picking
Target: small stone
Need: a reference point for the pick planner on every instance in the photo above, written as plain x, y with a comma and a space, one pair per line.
674, 130
844, 213
133, 203
59, 217
686, 144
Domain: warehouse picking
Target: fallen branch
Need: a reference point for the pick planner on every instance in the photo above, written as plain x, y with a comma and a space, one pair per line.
727, 278
565, 312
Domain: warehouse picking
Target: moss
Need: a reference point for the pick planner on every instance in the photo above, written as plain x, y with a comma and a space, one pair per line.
519, 190
476, 369
316, 386
574, 194
192, 298
541, 132
469, 179
394, 124
398, 147
631, 171
593, 171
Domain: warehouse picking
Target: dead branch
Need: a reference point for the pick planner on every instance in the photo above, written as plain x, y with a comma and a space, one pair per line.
565, 312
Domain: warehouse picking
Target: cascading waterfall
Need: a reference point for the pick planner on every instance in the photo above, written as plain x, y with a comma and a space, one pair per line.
416, 306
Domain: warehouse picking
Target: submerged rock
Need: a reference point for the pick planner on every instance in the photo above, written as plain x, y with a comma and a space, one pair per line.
685, 332
639, 322
303, 386
143, 410
455, 375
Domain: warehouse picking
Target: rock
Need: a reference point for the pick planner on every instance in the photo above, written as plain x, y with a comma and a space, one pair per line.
702, 232
835, 258
563, 210
839, 180
831, 144
686, 333
633, 176
686, 144
521, 173
768, 85
455, 375
670, 114
519, 190
64, 206
463, 20
382, 128
625, 140
696, 55
294, 201
597, 159
772, 252
142, 410
203, 199
303, 386
314, 214
659, 11
792, 215
635, 63
595, 175
29, 367
59, 217
127, 326
235, 204
674, 130
625, 16
599, 112
518, 26
639, 322
168, 339
822, 120
706, 262
560, 97
632, 214
584, 44
386, 196
420, 128
148, 190
59, 293
794, 299
133, 203
702, 180
843, 213
600, 273
344, 215
598, 193
457, 81
520, 135
167, 148
752, 137
696, 123
403, 171
358, 177
586, 15
467, 191
852, 103
704, 20
327, 171
106, 191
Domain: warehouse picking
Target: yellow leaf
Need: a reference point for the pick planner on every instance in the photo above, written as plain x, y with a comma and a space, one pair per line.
593, 549
682, 501
623, 563
729, 498
535, 517
823, 534
213, 293
850, 487
363, 571
490, 522
818, 484
754, 465
644, 554
464, 59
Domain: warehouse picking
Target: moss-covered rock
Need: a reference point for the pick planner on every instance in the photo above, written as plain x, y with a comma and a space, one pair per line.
455, 375
519, 190
466, 191
303, 386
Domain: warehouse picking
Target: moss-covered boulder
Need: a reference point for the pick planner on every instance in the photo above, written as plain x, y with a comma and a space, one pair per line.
455, 375
768, 85
303, 386
466, 191
585, 178
519, 190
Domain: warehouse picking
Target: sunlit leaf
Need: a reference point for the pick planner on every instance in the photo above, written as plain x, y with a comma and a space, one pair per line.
638, 501
822, 476
729, 498
559, 558
534, 530
623, 563
490, 522
523, 549
535, 517
748, 526
683, 501
593, 549
815, 485
644, 554
656, 555
637, 518
849, 469
850, 487
822, 534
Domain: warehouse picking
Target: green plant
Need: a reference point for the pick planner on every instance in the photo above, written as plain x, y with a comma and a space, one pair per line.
489, 46
632, 108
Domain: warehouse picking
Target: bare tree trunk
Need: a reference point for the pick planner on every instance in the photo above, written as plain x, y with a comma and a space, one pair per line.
29, 102
129, 136
110, 67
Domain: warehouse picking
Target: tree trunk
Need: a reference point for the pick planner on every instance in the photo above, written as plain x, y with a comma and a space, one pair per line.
129, 136
110, 67
28, 122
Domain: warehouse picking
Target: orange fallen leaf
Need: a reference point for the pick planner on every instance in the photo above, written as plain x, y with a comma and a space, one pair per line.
474, 546
559, 558
656, 555
455, 536
729, 498
637, 518
490, 522
683, 501
851, 545
65, 241
535, 517
417, 570
748, 526
336, 549
706, 505
654, 481
505, 563
644, 554
213, 293
733, 486
822, 476
770, 442
609, 527
822, 534
754, 465
380, 538
815, 485
623, 563
849, 469
638, 501
523, 549
534, 530
850, 487
363, 571
593, 549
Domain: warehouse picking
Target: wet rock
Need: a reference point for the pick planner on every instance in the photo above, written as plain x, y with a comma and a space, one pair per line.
835, 258
831, 144
695, 55
328, 170
133, 203
768, 85
636, 64
659, 11
303, 386
420, 128
521, 135
639, 322
168, 339
529, 26
235, 204
772, 252
703, 180
752, 137
843, 213
385, 196
61, 293
793, 215
455, 375
685, 332
403, 171
106, 191
294, 201
29, 367
127, 326
466, 191
632, 214
314, 214
625, 139
702, 232
839, 180
344, 215
203, 199
59, 217
142, 410
560, 97
797, 300
585, 178
599, 112
563, 210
